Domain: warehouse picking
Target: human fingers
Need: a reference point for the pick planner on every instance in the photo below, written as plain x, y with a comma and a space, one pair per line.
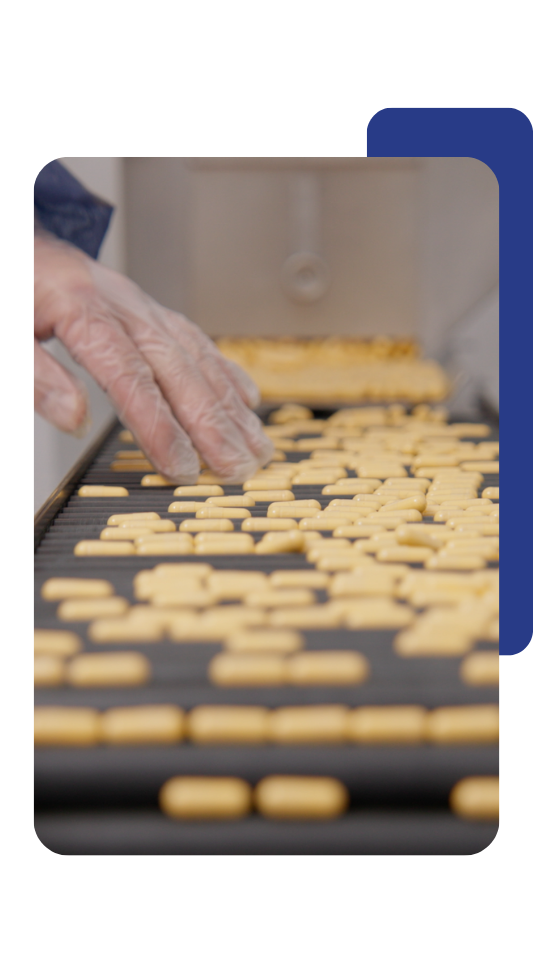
59, 397
97, 341
207, 411
203, 394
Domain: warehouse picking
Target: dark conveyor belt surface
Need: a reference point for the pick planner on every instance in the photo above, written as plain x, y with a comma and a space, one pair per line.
102, 799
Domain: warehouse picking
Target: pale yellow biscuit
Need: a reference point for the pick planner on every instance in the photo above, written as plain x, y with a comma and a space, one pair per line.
232, 585
269, 524
57, 726
205, 798
155, 481
228, 724
271, 495
297, 579
49, 671
103, 548
143, 725
293, 797
211, 511
113, 669
198, 490
376, 614
310, 618
261, 484
277, 542
328, 668
246, 670
58, 589
480, 668
123, 533
476, 798
387, 724
308, 723
133, 517
54, 641
463, 724
185, 507
85, 609
194, 525
264, 639
280, 597
102, 491
408, 553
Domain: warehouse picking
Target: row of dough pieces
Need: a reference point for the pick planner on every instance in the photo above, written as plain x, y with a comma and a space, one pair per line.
238, 669
466, 606
238, 724
294, 797
470, 527
461, 608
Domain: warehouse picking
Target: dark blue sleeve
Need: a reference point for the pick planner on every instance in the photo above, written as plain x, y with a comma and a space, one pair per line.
65, 208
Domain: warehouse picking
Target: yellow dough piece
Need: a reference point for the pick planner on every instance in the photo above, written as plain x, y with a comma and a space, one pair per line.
277, 542
246, 670
103, 548
198, 491
205, 798
211, 511
232, 585
395, 724
404, 553
58, 589
102, 491
269, 524
294, 797
476, 798
376, 614
308, 723
231, 501
143, 725
260, 485
299, 579
305, 619
465, 724
85, 609
229, 724
138, 518
328, 668
194, 525
123, 533
294, 509
155, 481
132, 628
113, 669
185, 507
264, 639
480, 668
57, 726
54, 641
271, 495
49, 671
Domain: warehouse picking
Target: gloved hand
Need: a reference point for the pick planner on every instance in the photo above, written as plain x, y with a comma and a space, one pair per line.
168, 382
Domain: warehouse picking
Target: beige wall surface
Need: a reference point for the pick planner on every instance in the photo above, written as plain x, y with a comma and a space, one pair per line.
237, 222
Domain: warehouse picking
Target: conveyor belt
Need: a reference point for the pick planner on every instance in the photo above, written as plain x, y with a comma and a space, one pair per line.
103, 799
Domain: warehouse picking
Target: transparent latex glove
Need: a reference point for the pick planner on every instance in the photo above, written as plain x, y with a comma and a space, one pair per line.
168, 382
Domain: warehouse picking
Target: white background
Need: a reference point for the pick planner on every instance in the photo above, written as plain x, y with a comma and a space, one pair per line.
267, 79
